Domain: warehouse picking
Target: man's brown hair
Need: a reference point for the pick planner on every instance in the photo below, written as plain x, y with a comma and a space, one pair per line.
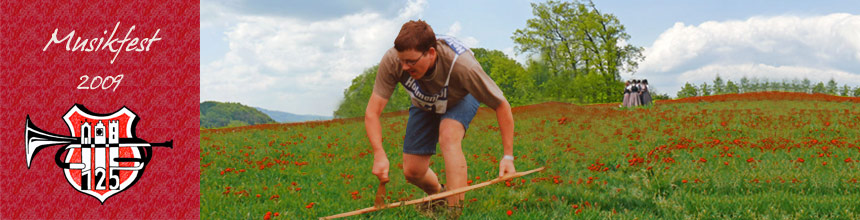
415, 35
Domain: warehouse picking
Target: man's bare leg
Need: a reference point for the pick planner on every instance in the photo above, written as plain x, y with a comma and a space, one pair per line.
417, 170
450, 140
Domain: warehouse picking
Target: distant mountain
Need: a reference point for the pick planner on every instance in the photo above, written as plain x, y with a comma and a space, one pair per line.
220, 114
284, 117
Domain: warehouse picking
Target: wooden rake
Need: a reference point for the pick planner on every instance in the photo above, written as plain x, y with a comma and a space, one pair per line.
434, 196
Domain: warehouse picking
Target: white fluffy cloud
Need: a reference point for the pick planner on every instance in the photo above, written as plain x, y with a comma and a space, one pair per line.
775, 48
454, 30
293, 64
764, 71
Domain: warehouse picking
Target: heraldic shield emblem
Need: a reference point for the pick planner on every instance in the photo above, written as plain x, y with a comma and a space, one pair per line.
103, 155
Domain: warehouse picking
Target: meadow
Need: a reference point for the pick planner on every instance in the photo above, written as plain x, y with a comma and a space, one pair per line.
741, 156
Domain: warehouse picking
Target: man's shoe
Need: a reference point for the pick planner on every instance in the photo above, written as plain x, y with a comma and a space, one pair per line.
454, 212
429, 209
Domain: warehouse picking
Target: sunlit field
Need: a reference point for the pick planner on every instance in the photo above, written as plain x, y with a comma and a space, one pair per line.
759, 155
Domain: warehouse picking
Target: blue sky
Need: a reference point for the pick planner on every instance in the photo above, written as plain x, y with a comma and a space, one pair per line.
298, 56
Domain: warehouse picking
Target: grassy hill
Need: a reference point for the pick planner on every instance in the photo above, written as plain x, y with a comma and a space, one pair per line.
220, 114
759, 155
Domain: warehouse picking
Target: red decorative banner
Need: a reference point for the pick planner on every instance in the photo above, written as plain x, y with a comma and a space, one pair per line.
75, 73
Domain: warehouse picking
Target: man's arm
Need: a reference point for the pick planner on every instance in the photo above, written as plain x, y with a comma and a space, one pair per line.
374, 135
506, 126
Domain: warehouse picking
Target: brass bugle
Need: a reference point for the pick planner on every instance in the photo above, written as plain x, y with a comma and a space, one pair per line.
38, 139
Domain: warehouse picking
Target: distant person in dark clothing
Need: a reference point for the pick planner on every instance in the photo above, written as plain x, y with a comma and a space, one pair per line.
634, 94
646, 93
625, 102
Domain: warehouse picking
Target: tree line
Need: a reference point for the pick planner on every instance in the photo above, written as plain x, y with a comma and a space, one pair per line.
745, 85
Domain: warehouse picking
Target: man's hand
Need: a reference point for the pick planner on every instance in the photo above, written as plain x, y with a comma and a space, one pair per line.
380, 167
506, 167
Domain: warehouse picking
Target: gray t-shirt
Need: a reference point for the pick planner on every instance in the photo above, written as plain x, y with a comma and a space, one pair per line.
467, 77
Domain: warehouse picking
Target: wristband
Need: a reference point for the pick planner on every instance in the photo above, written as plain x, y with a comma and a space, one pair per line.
508, 157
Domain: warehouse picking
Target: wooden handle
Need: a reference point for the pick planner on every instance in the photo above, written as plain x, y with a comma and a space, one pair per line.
379, 202
434, 196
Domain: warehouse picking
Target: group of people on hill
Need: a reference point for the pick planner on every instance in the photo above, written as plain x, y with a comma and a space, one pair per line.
636, 93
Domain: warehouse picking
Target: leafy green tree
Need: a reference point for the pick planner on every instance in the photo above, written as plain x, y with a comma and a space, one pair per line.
805, 85
355, 97
755, 85
687, 91
819, 88
845, 90
581, 47
782, 86
705, 89
656, 95
514, 81
659, 96
766, 86
731, 88
719, 86
539, 71
794, 86
745, 85
832, 88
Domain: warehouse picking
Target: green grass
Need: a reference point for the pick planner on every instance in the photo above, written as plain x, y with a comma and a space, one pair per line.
568, 140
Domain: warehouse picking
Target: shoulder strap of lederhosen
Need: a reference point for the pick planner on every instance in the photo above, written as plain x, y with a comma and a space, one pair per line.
458, 48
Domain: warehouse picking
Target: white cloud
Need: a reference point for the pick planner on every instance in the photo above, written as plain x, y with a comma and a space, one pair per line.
295, 65
413, 9
775, 48
454, 30
763, 71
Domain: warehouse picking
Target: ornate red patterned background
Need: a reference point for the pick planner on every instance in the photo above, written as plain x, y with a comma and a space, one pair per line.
162, 86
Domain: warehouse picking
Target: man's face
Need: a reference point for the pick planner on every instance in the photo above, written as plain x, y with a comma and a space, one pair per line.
417, 63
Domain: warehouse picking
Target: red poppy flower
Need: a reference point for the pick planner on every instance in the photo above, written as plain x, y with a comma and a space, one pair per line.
510, 212
311, 205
